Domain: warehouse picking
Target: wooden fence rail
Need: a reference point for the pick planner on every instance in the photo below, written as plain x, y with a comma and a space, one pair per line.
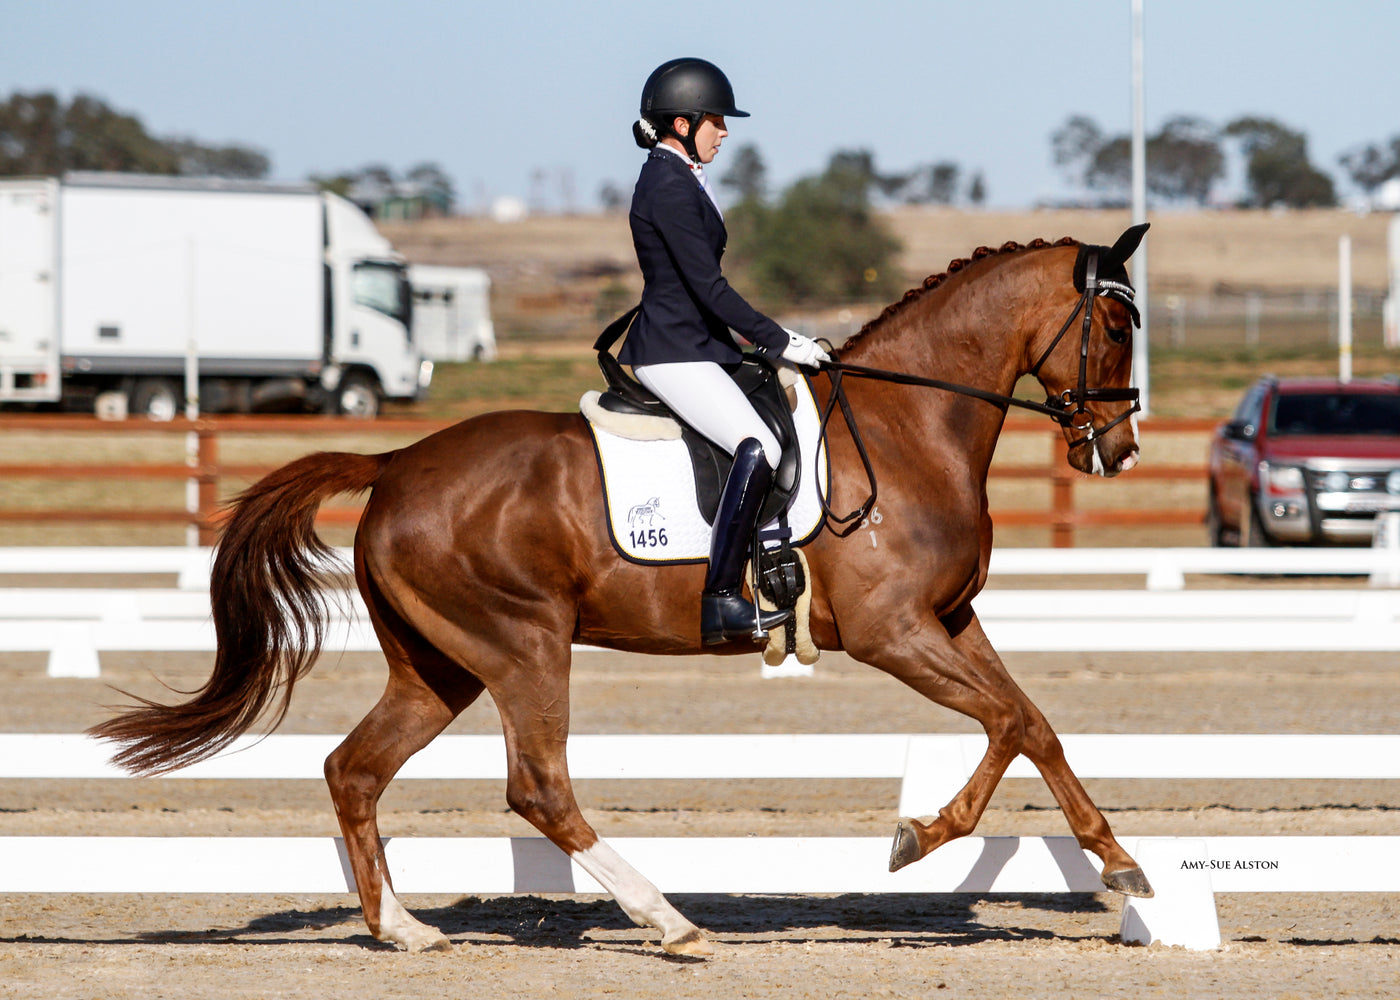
208, 472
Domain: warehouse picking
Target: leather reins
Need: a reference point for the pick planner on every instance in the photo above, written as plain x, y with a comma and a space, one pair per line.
1057, 408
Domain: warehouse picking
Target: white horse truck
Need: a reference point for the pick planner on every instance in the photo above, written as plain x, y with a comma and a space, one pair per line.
452, 313
115, 287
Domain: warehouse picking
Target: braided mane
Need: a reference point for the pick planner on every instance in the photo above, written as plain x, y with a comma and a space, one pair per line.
934, 280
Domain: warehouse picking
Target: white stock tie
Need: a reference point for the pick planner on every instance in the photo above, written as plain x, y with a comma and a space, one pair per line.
699, 173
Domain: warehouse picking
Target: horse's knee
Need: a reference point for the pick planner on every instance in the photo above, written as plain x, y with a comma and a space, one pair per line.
1041, 743
1006, 729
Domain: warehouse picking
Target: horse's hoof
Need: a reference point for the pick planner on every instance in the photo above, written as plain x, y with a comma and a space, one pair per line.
905, 850
427, 945
1128, 881
692, 943
422, 939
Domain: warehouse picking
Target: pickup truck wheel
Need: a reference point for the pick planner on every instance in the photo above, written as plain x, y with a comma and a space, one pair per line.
1257, 538
358, 396
1215, 527
155, 399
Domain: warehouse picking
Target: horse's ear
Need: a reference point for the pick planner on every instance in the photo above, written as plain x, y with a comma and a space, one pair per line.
1128, 243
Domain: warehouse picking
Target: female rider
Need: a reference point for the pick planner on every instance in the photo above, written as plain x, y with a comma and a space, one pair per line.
679, 345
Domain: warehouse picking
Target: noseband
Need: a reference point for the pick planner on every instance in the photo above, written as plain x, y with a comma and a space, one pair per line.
1066, 409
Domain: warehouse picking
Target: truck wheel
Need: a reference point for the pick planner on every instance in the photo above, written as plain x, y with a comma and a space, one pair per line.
1258, 538
156, 399
1215, 527
358, 396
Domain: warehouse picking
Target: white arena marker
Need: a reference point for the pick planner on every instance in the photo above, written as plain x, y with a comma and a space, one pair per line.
1182, 912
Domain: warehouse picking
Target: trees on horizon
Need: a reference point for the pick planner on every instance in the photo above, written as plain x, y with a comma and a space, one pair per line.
43, 135
1187, 157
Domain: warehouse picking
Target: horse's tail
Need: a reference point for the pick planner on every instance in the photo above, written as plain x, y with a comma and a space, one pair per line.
269, 616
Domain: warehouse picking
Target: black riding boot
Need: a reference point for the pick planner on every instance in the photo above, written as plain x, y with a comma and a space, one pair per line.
724, 614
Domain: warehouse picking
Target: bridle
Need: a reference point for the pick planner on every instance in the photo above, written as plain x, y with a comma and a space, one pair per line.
1082, 393
1066, 409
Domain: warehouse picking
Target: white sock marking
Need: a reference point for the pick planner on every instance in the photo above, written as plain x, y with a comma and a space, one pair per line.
638, 898
400, 927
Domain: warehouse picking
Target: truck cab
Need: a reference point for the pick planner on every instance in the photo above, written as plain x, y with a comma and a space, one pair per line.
370, 352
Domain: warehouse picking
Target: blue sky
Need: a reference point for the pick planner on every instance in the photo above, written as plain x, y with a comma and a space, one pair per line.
500, 93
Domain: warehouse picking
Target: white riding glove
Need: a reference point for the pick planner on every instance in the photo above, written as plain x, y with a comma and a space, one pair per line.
803, 350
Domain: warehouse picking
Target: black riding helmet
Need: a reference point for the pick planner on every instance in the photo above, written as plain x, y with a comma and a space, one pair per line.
687, 88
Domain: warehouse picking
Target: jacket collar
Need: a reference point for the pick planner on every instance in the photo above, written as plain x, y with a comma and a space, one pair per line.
684, 164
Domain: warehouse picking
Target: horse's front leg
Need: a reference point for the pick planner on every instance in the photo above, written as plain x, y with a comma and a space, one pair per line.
1042, 747
953, 664
929, 661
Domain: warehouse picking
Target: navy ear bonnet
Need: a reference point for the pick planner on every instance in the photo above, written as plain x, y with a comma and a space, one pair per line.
1112, 271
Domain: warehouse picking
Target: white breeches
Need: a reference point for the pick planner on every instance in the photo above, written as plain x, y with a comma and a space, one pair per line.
707, 399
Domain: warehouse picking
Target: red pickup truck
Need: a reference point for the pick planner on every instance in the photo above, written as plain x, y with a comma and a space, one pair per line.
1306, 462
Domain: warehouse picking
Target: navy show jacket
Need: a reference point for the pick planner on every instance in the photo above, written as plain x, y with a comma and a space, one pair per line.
688, 308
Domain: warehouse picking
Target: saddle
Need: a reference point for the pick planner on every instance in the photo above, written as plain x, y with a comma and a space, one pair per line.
780, 574
759, 381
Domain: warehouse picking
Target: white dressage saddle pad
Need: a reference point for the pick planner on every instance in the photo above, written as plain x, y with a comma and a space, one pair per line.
649, 485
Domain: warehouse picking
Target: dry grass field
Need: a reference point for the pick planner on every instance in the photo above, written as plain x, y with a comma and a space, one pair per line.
1189, 251
557, 276
557, 279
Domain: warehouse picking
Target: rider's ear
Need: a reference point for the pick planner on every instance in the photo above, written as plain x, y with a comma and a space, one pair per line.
681, 126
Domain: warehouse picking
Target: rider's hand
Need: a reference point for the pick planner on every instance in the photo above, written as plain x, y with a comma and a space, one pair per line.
803, 350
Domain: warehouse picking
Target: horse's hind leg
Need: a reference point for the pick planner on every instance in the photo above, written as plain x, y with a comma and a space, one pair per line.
426, 691
534, 714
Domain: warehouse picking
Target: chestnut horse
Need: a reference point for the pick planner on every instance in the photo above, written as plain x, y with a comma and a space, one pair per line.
483, 553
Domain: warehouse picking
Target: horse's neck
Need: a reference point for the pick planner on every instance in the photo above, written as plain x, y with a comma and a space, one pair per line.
948, 336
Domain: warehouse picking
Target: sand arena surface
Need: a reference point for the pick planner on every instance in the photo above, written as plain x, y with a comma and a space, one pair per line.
194, 946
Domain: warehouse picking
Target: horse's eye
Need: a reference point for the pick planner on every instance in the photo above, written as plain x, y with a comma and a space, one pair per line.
1116, 335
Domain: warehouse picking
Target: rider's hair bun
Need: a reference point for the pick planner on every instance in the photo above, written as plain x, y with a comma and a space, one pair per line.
644, 132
